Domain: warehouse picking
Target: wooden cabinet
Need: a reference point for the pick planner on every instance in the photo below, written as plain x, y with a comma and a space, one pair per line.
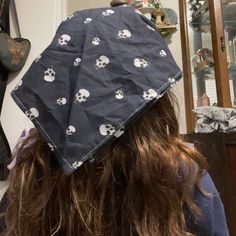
208, 36
220, 151
208, 33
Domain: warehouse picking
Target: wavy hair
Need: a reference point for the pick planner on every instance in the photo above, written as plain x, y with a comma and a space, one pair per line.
137, 186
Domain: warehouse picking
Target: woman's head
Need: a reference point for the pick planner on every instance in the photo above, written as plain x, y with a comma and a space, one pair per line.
136, 186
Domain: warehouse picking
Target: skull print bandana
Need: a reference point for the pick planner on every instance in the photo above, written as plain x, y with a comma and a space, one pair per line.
102, 70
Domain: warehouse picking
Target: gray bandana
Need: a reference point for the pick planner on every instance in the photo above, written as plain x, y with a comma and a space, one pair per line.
103, 69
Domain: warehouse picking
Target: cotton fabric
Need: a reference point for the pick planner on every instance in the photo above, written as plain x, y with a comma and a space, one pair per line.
103, 69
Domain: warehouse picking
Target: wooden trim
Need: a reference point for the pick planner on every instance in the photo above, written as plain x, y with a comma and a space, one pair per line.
220, 56
188, 89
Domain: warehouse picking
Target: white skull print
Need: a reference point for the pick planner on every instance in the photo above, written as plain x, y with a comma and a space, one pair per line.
150, 94
172, 81
77, 164
18, 85
141, 63
108, 12
124, 34
150, 28
51, 146
88, 20
77, 62
32, 113
119, 94
107, 129
49, 75
119, 132
82, 96
70, 17
61, 101
37, 59
70, 130
96, 41
102, 61
64, 39
163, 53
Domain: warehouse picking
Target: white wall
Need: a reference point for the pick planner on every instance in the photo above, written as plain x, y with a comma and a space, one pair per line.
175, 48
38, 20
73, 5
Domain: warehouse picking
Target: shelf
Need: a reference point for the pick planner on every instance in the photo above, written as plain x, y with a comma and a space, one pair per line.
232, 72
229, 16
207, 72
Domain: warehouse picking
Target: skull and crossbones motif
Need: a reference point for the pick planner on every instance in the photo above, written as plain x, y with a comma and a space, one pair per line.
96, 41
70, 130
32, 113
119, 94
82, 96
141, 63
163, 53
77, 62
61, 101
150, 94
108, 12
77, 164
124, 34
107, 130
64, 39
102, 62
88, 20
49, 75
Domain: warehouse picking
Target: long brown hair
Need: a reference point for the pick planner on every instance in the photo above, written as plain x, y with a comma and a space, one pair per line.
136, 187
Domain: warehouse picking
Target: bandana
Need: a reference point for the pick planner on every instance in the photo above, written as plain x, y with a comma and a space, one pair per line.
103, 69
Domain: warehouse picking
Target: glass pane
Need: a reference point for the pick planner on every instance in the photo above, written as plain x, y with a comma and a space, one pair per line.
200, 40
229, 13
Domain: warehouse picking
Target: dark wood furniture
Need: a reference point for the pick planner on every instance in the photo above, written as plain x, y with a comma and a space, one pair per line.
208, 30
208, 38
220, 151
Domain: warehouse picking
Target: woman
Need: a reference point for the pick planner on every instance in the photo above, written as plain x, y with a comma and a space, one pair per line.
107, 157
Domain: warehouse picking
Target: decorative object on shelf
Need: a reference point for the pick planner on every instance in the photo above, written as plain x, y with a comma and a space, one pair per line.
168, 28
203, 59
204, 100
198, 7
146, 8
13, 51
141, 4
211, 119
200, 15
164, 18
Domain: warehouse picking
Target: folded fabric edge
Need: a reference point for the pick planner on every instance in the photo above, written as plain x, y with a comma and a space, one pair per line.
68, 168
